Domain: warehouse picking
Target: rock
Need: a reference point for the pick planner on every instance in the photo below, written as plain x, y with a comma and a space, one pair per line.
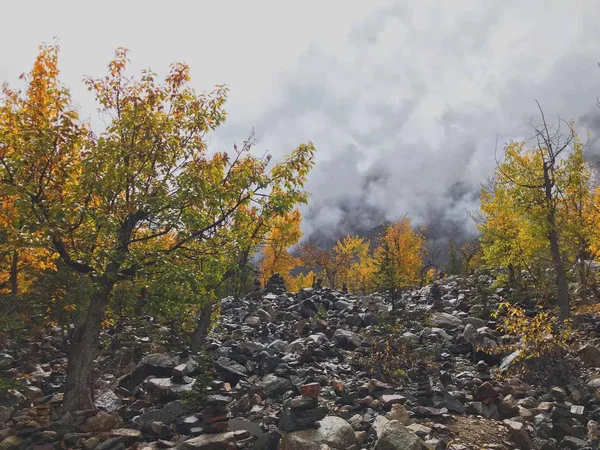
253, 321
400, 414
378, 425
115, 443
108, 401
445, 320
590, 354
156, 364
558, 393
396, 436
572, 443
6, 413
346, 339
90, 443
264, 316
168, 388
253, 428
392, 399
301, 412
519, 434
11, 442
311, 390
485, 393
444, 400
6, 361
217, 441
508, 361
334, 432
341, 305
101, 422
166, 414
419, 430
475, 321
12, 399
274, 386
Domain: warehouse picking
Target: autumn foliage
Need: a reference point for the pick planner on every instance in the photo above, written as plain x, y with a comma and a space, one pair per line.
140, 206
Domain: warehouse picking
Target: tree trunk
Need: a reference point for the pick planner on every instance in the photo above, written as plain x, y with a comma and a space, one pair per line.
202, 327
561, 277
14, 273
82, 351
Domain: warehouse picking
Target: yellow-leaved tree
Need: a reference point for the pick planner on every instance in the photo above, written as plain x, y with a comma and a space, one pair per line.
284, 234
535, 213
142, 199
399, 256
355, 266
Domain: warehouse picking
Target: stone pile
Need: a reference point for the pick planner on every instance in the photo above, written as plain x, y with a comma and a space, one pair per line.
288, 376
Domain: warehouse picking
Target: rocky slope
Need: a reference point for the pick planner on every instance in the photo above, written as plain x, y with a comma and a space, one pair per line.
297, 371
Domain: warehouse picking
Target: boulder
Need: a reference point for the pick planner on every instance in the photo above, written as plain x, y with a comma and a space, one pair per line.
333, 431
156, 364
274, 386
590, 354
166, 414
346, 339
445, 320
519, 434
396, 436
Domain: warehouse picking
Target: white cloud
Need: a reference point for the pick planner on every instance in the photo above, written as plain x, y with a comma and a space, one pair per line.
404, 100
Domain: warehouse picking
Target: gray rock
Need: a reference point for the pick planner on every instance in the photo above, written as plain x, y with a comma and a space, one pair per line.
445, 400
6, 361
156, 364
216, 441
166, 414
442, 320
300, 413
346, 339
475, 321
108, 401
572, 443
6, 413
274, 386
167, 388
508, 361
396, 436
519, 434
333, 431
12, 399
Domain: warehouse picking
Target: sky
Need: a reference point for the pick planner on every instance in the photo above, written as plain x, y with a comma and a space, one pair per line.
405, 101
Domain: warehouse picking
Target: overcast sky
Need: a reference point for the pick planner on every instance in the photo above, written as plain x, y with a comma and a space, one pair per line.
404, 100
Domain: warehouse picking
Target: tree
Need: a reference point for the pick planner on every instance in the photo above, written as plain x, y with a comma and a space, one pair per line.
470, 253
355, 268
141, 200
321, 260
454, 266
399, 256
284, 233
528, 211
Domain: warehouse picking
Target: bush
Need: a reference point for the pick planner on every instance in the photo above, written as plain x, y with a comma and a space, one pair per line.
391, 356
543, 342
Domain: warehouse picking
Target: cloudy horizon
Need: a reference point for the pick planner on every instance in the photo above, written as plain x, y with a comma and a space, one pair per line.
404, 101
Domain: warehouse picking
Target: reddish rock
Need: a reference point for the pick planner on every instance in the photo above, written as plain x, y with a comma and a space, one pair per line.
311, 390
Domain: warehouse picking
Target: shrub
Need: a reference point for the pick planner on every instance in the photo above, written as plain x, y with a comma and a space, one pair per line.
196, 396
391, 356
543, 342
